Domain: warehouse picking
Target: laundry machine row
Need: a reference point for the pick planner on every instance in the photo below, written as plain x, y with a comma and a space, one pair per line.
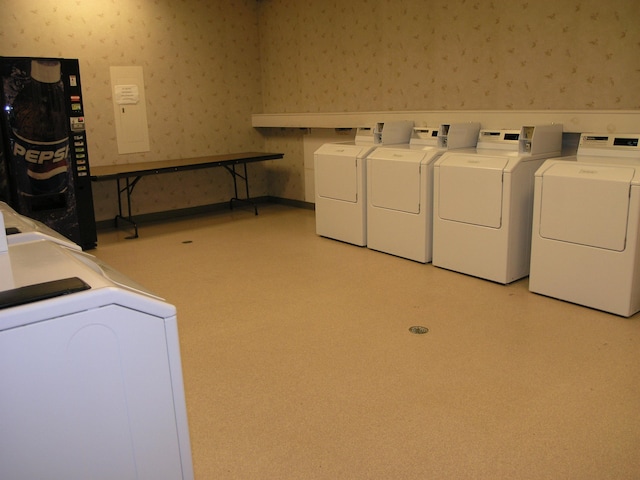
508, 208
586, 225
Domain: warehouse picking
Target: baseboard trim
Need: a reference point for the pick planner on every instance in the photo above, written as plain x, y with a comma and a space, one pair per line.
292, 203
199, 210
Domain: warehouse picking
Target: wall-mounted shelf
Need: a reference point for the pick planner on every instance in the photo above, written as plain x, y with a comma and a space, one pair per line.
577, 121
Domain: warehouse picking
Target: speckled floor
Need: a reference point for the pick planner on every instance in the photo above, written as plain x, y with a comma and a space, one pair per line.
299, 363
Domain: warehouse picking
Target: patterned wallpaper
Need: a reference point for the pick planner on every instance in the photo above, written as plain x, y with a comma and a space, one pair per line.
377, 55
210, 64
390, 55
202, 82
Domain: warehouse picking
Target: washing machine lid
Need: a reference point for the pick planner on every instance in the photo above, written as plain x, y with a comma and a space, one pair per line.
344, 149
42, 280
336, 170
470, 188
394, 177
20, 229
586, 204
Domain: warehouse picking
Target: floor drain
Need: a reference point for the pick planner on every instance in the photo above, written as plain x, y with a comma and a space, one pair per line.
419, 330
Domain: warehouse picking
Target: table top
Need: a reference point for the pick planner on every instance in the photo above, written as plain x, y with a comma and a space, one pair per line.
106, 172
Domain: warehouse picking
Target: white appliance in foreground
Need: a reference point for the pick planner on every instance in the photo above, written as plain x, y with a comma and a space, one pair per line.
19, 229
400, 189
340, 181
586, 226
483, 202
90, 372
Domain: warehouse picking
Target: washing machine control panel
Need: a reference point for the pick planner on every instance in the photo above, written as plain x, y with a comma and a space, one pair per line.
620, 146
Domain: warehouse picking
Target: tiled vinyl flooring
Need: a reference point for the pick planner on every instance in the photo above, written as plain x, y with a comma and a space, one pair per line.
299, 363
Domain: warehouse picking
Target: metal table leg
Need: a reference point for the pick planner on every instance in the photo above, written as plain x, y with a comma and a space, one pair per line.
244, 177
128, 190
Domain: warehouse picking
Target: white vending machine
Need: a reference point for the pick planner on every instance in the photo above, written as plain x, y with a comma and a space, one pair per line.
90, 371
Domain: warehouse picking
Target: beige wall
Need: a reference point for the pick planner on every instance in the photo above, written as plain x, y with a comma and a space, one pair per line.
202, 77
378, 55
209, 65
386, 55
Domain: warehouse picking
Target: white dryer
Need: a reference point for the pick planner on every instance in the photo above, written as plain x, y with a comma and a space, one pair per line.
586, 226
90, 372
400, 189
483, 202
340, 181
19, 229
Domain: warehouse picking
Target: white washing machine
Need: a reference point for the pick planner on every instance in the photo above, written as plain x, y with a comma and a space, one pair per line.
400, 189
586, 226
19, 228
90, 372
340, 181
483, 202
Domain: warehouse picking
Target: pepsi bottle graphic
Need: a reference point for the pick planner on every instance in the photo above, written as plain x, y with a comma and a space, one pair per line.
40, 136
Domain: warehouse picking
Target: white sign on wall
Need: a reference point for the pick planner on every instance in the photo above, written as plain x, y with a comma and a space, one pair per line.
127, 94
130, 109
